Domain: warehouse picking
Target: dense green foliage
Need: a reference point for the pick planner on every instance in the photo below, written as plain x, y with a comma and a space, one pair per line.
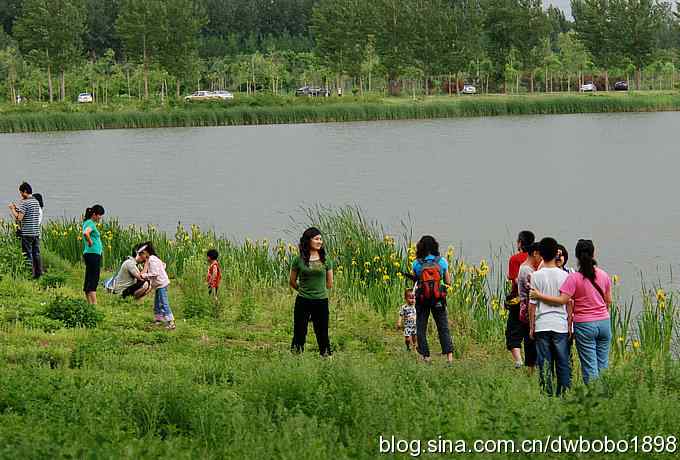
158, 49
224, 385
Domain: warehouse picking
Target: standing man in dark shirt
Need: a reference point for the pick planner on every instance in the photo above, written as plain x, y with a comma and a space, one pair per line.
27, 214
513, 329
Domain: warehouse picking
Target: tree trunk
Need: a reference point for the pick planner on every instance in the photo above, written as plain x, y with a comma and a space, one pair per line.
638, 78
146, 71
62, 84
606, 79
177, 88
49, 82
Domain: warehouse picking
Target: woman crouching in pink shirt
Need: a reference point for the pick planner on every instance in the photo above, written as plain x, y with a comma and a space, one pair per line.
591, 290
154, 271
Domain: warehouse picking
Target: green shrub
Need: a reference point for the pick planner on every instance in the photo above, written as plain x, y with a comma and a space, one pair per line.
52, 280
73, 312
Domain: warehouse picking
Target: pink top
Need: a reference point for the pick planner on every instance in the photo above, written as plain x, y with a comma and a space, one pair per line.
588, 303
155, 271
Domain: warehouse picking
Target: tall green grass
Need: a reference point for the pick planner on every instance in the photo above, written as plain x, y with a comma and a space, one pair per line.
224, 385
277, 113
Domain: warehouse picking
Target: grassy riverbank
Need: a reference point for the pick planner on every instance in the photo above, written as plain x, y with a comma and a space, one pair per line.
224, 385
275, 110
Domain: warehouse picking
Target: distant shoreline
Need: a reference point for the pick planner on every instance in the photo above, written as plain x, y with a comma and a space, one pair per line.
333, 110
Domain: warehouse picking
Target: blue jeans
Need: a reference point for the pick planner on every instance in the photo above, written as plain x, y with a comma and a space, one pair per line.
593, 340
553, 358
161, 306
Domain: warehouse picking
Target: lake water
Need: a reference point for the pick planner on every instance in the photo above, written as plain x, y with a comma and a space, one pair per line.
473, 183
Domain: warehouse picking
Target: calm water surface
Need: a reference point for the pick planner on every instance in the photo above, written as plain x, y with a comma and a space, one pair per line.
472, 182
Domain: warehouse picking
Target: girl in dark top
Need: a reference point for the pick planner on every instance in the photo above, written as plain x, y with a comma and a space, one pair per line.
311, 275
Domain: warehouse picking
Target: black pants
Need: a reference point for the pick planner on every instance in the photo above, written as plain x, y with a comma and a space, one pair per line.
30, 245
317, 311
93, 266
130, 291
441, 319
516, 333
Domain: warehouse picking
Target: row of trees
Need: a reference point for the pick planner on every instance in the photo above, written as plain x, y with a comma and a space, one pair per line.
146, 47
52, 33
513, 39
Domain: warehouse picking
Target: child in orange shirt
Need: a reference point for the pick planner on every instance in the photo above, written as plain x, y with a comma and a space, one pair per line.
214, 272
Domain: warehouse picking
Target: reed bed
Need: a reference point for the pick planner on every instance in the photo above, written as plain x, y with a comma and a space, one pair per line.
212, 115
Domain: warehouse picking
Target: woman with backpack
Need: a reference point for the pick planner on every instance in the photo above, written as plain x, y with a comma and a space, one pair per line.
311, 275
431, 272
590, 289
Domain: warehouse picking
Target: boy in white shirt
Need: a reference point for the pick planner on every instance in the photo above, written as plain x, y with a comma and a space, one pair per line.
550, 324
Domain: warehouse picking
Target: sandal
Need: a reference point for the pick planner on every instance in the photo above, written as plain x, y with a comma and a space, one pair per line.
171, 326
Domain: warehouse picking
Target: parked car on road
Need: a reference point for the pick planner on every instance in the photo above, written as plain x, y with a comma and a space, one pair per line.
469, 89
588, 87
85, 98
312, 91
202, 96
224, 95
621, 86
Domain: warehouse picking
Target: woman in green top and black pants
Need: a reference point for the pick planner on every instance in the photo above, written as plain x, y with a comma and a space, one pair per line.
92, 252
311, 274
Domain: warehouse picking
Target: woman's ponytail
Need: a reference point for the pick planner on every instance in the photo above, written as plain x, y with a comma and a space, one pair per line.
96, 209
585, 251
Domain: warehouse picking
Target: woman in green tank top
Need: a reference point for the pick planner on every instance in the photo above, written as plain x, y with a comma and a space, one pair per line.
311, 275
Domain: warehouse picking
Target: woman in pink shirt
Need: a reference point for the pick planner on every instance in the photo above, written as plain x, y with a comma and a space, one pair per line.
154, 271
591, 291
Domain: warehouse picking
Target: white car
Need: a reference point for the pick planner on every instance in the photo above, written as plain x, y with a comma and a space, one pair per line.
588, 87
224, 95
85, 98
201, 96
469, 89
